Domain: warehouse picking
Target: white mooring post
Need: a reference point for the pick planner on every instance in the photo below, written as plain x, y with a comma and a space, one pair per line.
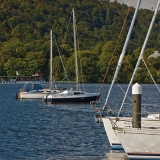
136, 105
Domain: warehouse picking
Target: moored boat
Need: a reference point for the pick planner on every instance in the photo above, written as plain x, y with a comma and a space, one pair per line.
71, 96
141, 139
37, 92
140, 143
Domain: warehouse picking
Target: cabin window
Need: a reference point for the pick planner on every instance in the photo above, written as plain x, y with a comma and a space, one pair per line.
76, 93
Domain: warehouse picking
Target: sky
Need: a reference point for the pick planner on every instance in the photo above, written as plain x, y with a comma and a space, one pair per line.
148, 4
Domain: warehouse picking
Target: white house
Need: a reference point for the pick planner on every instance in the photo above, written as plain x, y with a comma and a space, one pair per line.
154, 55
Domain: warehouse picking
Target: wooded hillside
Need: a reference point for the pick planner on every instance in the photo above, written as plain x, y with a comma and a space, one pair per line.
25, 39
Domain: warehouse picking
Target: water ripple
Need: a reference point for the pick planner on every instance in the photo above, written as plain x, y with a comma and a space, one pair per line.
31, 130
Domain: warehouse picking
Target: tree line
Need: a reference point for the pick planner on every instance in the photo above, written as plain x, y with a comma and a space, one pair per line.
25, 39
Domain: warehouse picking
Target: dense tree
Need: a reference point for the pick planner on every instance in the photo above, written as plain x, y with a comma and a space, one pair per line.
25, 39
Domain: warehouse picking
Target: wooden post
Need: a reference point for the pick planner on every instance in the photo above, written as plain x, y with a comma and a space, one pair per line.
136, 105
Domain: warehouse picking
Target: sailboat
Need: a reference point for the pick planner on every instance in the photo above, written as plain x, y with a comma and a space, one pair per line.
112, 137
99, 114
138, 143
144, 140
37, 92
72, 96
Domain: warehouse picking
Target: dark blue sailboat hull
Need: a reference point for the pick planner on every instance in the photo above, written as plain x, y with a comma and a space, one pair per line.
71, 100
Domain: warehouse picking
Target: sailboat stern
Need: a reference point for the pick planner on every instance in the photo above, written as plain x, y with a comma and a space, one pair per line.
18, 96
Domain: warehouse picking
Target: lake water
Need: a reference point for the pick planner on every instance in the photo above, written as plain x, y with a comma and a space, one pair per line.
30, 129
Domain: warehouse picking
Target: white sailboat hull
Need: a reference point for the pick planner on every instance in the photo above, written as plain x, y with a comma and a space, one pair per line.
124, 122
112, 137
141, 143
27, 95
35, 95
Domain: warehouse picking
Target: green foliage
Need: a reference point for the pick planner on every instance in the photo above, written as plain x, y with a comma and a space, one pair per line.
58, 70
88, 62
25, 39
104, 60
126, 70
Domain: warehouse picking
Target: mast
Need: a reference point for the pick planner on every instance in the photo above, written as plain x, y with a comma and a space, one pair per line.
75, 49
123, 52
141, 55
50, 80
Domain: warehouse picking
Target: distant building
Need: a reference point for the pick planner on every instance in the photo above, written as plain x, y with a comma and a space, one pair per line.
36, 74
154, 55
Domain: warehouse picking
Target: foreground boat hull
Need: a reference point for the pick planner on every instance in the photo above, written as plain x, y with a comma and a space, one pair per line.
140, 146
143, 156
112, 137
141, 143
125, 123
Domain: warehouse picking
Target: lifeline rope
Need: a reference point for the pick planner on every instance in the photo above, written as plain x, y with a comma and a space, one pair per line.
66, 30
81, 70
115, 48
124, 92
66, 76
150, 74
67, 27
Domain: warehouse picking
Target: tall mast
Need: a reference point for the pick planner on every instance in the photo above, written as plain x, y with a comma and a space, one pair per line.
141, 54
50, 80
123, 52
75, 48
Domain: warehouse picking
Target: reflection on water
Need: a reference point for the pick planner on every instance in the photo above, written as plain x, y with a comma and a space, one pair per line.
116, 155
